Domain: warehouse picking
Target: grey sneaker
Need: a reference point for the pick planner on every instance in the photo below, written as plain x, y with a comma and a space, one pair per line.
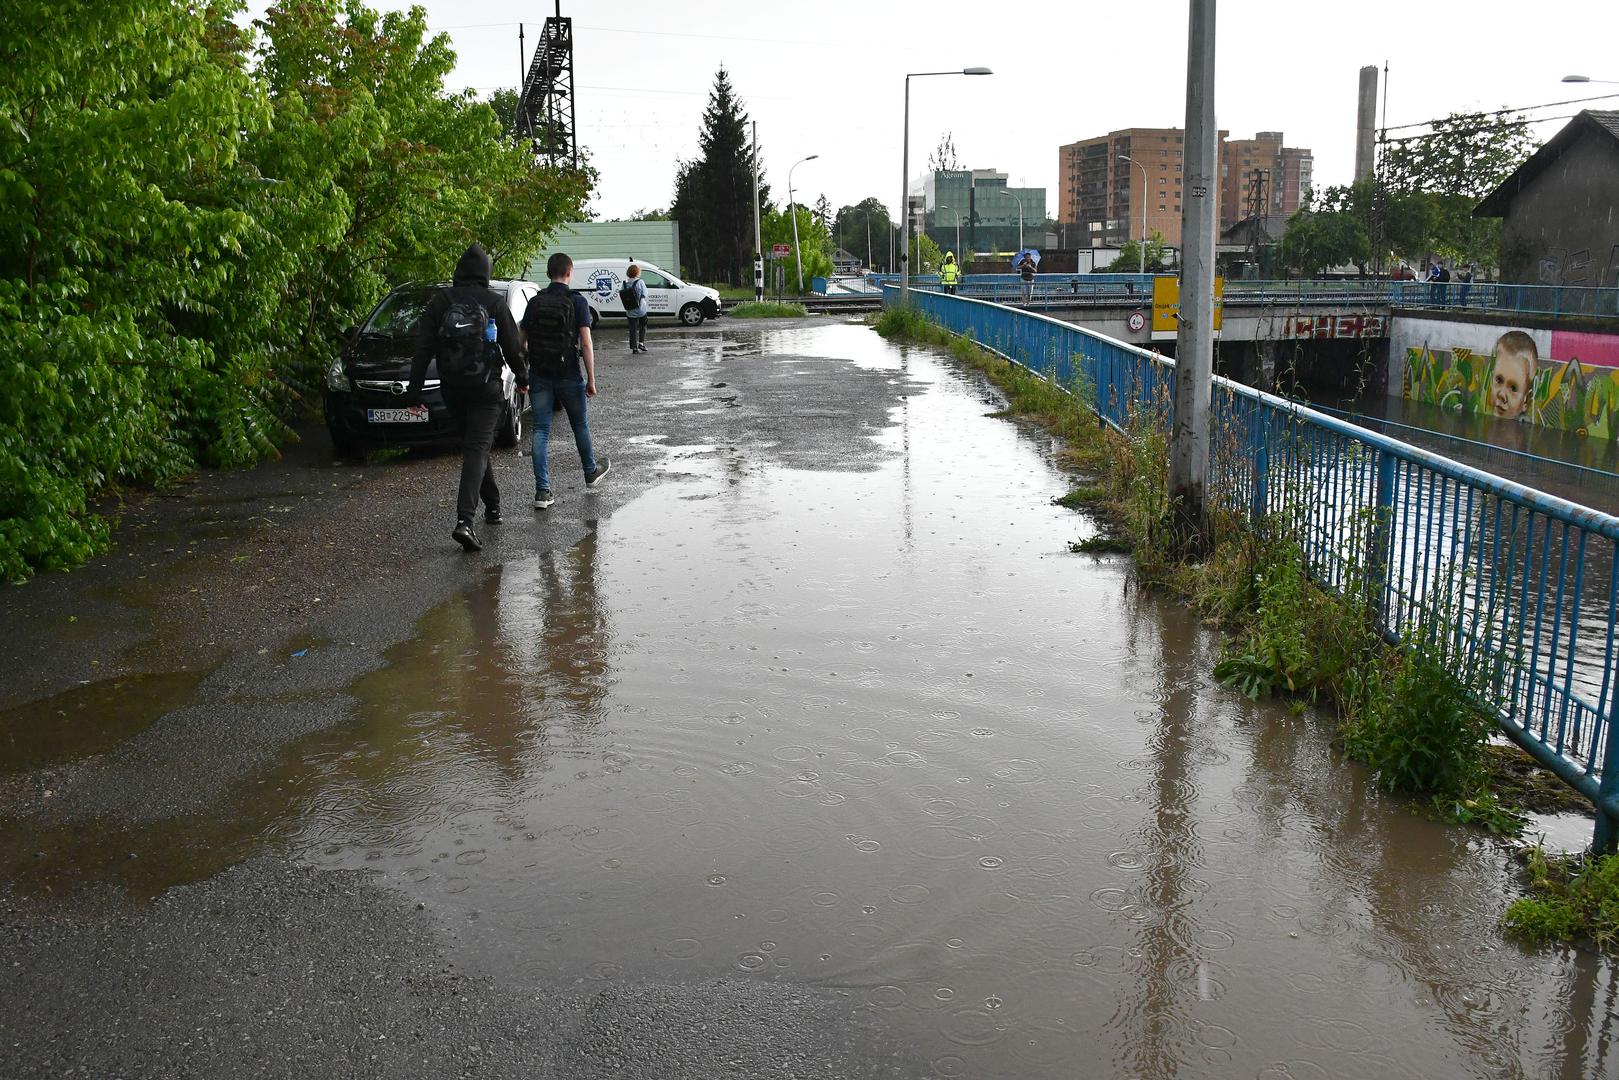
543, 499
594, 476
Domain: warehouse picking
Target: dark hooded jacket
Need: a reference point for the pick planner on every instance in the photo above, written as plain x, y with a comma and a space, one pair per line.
471, 283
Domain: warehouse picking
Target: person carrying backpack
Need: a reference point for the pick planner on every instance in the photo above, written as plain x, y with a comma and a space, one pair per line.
556, 336
469, 330
633, 297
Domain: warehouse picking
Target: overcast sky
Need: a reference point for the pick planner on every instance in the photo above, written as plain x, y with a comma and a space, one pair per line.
828, 79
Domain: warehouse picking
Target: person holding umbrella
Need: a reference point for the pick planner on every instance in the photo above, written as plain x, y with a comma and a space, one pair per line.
1026, 262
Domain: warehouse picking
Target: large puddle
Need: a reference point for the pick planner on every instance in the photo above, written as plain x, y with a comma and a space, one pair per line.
879, 731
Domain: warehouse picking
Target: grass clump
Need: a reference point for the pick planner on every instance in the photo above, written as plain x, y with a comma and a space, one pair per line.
728, 291
767, 309
1101, 544
1087, 495
1572, 896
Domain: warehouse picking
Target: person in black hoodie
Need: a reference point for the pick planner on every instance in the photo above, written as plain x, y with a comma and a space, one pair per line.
474, 397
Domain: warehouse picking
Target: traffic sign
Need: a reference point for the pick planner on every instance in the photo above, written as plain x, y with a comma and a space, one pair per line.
780, 251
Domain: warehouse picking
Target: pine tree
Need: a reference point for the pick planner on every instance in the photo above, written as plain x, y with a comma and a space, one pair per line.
714, 193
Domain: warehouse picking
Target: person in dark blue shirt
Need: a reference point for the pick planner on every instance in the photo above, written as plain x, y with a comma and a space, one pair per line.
562, 369
477, 407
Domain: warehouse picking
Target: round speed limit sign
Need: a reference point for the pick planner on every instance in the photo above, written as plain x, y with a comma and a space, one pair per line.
1138, 322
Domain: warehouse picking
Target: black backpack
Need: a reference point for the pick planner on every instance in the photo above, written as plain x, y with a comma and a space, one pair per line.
552, 326
465, 359
626, 295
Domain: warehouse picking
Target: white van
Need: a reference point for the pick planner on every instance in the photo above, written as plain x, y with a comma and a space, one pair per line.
600, 279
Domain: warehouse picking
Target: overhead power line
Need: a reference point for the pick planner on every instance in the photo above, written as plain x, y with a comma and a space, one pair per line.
1505, 112
1481, 128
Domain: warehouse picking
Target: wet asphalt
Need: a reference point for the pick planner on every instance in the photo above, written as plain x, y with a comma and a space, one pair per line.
135, 949
803, 747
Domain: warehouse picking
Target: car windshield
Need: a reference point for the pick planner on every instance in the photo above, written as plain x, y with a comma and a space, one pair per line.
398, 313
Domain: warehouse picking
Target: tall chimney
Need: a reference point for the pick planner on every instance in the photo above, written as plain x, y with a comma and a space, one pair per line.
1366, 123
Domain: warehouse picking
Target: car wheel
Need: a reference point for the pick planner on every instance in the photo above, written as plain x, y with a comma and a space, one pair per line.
344, 445
691, 315
510, 431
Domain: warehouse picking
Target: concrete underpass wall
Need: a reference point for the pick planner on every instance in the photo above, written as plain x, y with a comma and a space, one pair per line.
1323, 370
1539, 371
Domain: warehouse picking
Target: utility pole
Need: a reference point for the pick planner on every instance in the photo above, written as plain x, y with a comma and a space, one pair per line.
905, 203
758, 241
522, 74
1194, 340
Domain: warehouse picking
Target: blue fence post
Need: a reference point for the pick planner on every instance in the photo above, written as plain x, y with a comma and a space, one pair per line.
1260, 445
1607, 827
1382, 538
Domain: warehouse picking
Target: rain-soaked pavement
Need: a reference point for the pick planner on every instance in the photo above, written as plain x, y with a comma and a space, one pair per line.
805, 748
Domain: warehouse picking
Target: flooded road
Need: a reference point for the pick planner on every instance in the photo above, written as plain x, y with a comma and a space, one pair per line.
820, 699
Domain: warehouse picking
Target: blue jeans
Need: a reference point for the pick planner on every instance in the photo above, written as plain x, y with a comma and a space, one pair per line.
542, 394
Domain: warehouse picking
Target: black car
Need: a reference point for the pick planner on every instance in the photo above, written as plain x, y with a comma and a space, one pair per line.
365, 385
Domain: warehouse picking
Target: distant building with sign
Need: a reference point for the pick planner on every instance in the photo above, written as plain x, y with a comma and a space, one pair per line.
968, 210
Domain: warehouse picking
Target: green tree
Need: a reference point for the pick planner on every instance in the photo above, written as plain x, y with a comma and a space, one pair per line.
1129, 257
1330, 230
504, 103
865, 229
650, 215
1446, 171
776, 227
185, 237
117, 238
929, 256
417, 173
1465, 154
714, 193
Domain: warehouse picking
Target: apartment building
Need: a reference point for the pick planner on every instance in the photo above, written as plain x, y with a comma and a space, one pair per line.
1105, 195
1262, 177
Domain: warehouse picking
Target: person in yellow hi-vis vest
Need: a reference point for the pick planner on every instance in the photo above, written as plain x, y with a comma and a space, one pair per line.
949, 273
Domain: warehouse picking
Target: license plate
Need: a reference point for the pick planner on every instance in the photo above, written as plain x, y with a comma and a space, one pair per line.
414, 414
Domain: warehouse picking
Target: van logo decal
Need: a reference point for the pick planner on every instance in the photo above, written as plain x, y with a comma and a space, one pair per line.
605, 284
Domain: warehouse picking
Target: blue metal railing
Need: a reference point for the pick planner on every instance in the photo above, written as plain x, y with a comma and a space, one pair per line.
1524, 583
1567, 300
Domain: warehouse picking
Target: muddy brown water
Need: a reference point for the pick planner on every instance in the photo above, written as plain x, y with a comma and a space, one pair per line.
879, 731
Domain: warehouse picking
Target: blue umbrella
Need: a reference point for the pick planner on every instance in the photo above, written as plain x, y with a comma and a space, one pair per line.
1030, 252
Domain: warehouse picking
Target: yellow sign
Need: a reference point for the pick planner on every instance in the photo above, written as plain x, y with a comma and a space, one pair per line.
1166, 303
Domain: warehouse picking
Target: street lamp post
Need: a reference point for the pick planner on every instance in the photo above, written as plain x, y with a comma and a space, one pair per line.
758, 242
1142, 243
1019, 202
905, 177
793, 211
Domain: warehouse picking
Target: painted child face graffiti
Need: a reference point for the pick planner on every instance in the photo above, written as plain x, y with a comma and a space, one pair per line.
1513, 375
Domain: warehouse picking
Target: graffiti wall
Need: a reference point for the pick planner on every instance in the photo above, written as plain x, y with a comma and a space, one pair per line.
1563, 380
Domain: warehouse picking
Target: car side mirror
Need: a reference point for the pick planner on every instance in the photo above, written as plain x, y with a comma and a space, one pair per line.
352, 330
